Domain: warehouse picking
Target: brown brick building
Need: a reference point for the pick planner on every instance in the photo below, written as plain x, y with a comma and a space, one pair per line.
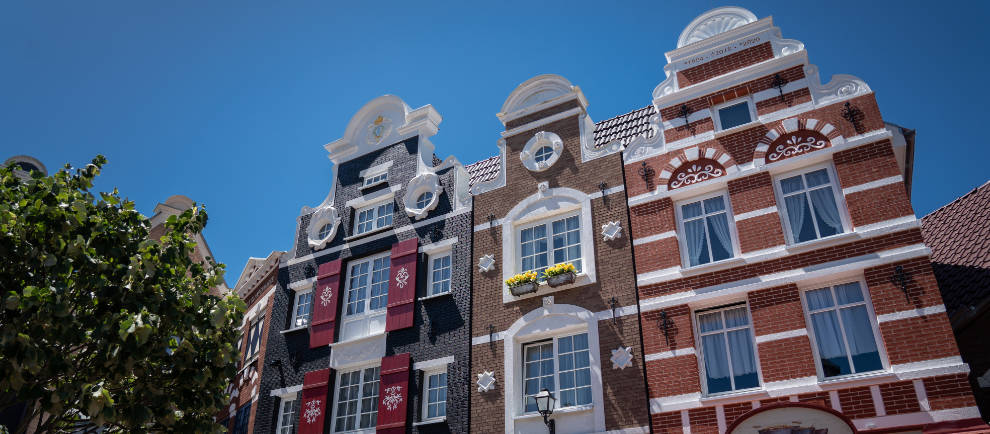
783, 279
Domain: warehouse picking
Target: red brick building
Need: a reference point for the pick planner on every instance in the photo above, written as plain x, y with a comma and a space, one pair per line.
783, 279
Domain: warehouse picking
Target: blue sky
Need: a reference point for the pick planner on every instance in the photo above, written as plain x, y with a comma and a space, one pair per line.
230, 103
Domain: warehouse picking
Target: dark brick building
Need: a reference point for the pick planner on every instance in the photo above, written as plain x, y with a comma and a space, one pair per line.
369, 319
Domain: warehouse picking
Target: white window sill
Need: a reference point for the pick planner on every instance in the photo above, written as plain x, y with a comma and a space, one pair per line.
365, 186
295, 329
713, 266
737, 128
431, 421
247, 364
544, 288
357, 340
431, 297
735, 395
847, 380
371, 232
558, 412
822, 242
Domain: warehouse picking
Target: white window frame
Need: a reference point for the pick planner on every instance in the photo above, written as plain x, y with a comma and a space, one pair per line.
249, 355
682, 238
336, 396
695, 324
427, 373
548, 222
870, 312
368, 175
840, 202
749, 103
295, 309
366, 319
293, 400
450, 281
374, 208
556, 370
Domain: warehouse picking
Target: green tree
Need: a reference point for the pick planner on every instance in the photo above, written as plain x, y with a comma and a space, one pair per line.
101, 324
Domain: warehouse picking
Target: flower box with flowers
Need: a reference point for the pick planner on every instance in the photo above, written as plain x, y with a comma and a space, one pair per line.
523, 283
560, 274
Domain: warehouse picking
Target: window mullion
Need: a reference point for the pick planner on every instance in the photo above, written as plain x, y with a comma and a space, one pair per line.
556, 369
842, 331
728, 353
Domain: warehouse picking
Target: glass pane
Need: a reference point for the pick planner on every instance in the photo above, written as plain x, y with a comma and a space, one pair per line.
848, 293
734, 115
799, 218
819, 299
691, 210
581, 342
697, 242
718, 227
831, 350
716, 363
714, 204
566, 362
736, 317
743, 359
859, 334
826, 212
708, 322
566, 380
565, 345
792, 184
816, 178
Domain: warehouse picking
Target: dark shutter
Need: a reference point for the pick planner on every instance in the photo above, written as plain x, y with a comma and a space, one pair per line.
402, 286
393, 394
314, 401
325, 297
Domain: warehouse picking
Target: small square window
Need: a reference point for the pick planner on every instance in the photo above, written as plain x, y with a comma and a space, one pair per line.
734, 115
440, 274
434, 395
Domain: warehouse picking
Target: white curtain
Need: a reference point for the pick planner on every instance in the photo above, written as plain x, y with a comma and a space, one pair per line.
859, 332
719, 224
695, 231
828, 335
740, 343
716, 360
795, 213
824, 203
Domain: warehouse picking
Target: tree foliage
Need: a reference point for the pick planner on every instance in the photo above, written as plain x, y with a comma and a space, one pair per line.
101, 323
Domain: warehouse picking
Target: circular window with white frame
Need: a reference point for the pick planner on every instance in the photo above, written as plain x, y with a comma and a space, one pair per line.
422, 195
322, 227
541, 151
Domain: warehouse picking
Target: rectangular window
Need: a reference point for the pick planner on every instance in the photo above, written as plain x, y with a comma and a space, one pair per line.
242, 419
288, 415
254, 337
375, 179
569, 357
707, 234
565, 234
810, 208
727, 349
365, 297
734, 115
357, 400
303, 309
373, 217
843, 330
435, 393
440, 274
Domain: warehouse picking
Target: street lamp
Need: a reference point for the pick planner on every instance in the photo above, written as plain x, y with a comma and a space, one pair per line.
544, 404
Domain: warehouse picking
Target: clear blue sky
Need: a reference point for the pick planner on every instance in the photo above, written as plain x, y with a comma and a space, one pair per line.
230, 103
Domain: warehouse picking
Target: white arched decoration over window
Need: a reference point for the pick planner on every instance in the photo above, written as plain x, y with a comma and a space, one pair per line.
544, 206
547, 322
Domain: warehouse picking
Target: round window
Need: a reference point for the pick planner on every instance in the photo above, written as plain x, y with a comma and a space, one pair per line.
543, 154
424, 200
325, 230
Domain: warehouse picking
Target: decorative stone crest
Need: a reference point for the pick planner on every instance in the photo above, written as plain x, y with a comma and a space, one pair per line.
378, 129
312, 411
622, 358
611, 231
486, 381
402, 277
392, 397
796, 143
695, 172
486, 263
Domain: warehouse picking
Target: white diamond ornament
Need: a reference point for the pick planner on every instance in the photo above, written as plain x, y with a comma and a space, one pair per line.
611, 231
486, 263
622, 358
486, 381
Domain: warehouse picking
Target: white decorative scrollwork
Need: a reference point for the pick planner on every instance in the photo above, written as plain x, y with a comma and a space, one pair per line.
486, 381
622, 358
611, 231
714, 22
392, 397
422, 183
696, 173
796, 145
402, 277
325, 296
486, 263
312, 411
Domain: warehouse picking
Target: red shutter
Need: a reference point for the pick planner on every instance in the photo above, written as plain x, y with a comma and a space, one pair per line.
325, 296
402, 286
393, 394
314, 402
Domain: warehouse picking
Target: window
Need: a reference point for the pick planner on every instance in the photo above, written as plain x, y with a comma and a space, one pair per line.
325, 231
288, 415
435, 395
543, 154
375, 179
810, 208
242, 419
303, 310
727, 349
843, 330
567, 356
565, 234
254, 338
366, 297
439, 274
734, 114
357, 400
373, 217
424, 199
707, 236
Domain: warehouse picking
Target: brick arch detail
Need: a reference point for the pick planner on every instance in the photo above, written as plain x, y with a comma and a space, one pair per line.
793, 125
683, 161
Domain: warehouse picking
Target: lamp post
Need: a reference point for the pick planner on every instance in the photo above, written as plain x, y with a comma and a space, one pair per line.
544, 404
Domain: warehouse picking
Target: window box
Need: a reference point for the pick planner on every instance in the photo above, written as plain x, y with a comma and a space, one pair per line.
561, 279
523, 288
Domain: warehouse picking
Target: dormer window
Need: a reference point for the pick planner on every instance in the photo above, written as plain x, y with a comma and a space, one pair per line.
375, 175
375, 180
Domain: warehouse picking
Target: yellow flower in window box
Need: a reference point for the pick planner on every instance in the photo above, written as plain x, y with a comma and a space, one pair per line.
522, 283
561, 274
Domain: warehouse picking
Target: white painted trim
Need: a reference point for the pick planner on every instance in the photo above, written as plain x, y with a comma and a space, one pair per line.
889, 226
357, 352
912, 313
375, 170
670, 354
919, 390
782, 335
370, 199
433, 364
608, 191
877, 401
720, 417
774, 93
918, 418
303, 285
685, 422
604, 315
291, 390
635, 430
872, 184
594, 195
675, 402
756, 213
930, 368
833, 397
438, 247
655, 237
